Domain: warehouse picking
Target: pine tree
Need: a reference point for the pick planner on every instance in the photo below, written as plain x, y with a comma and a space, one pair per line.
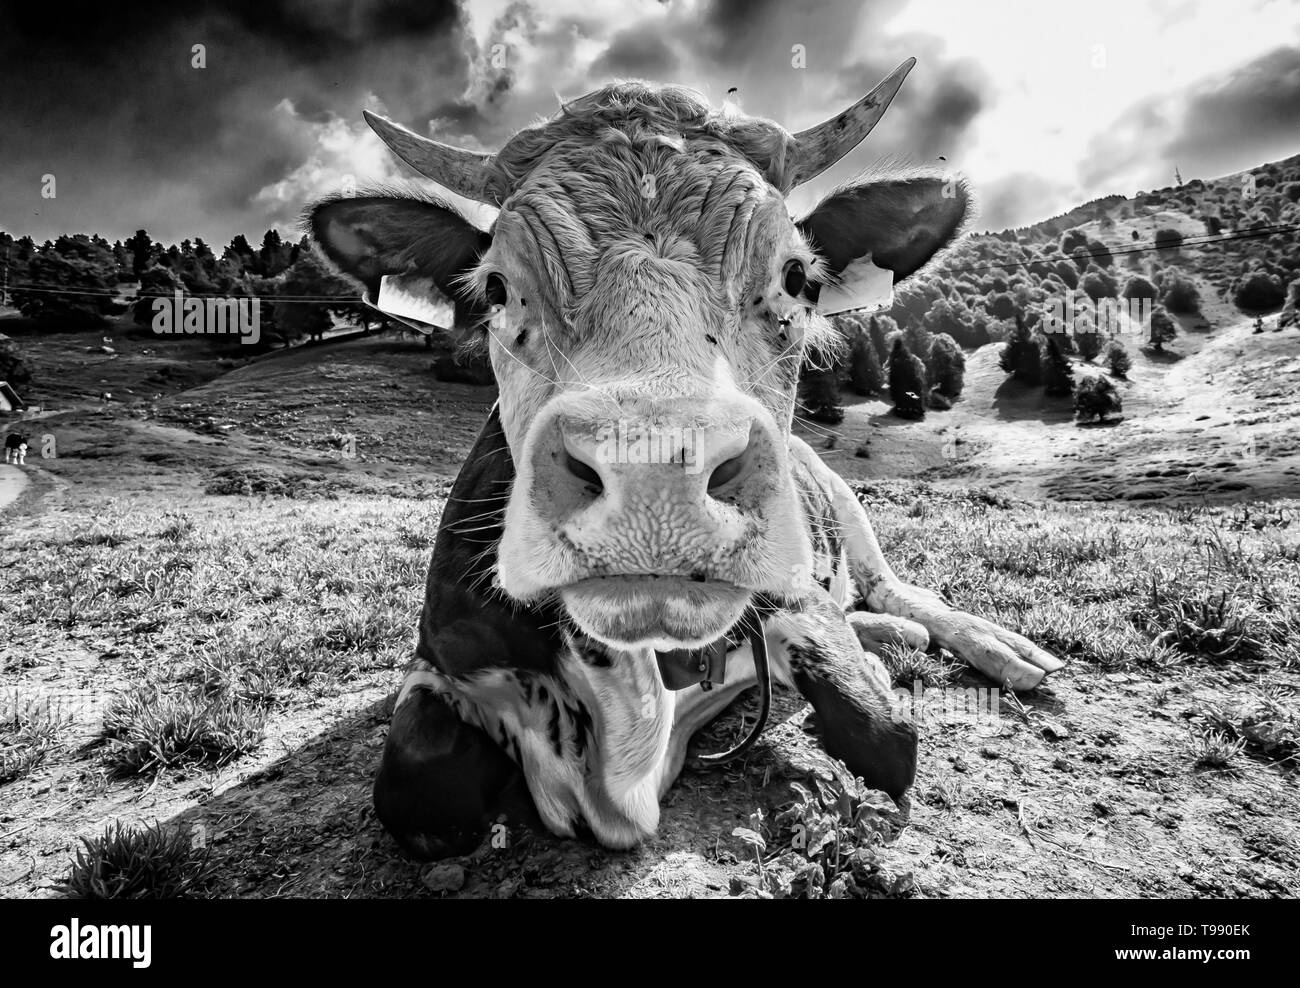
947, 366
1162, 328
866, 375
1020, 355
1058, 377
907, 385
1117, 359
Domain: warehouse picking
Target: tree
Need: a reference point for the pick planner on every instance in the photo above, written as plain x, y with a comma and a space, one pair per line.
274, 254
12, 366
77, 279
1117, 359
879, 328
1290, 314
155, 282
1163, 328
947, 366
866, 375
1020, 356
819, 394
1088, 344
907, 385
309, 276
1096, 397
141, 247
241, 253
1058, 377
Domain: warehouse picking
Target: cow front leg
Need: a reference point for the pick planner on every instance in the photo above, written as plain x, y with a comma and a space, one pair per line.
1002, 655
849, 689
442, 782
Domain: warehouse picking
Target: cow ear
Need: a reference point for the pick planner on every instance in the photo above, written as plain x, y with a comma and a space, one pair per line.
893, 224
368, 237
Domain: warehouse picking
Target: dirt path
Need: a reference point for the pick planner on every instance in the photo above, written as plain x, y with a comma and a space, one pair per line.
12, 482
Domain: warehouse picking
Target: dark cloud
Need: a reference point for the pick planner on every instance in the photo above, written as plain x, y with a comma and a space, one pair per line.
1222, 125
108, 102
639, 51
1250, 116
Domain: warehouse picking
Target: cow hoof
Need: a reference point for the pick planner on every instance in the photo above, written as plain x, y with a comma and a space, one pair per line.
442, 783
1002, 655
875, 631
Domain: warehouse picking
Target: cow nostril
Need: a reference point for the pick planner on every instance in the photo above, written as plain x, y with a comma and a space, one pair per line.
726, 472
583, 471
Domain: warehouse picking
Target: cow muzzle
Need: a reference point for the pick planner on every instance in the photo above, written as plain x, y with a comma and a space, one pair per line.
655, 522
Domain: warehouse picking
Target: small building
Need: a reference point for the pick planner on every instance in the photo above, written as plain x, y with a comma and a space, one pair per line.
9, 400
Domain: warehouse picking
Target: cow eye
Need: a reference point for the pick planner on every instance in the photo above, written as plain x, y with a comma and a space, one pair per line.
495, 289
793, 278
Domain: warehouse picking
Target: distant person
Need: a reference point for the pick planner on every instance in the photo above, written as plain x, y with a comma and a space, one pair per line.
1259, 324
15, 448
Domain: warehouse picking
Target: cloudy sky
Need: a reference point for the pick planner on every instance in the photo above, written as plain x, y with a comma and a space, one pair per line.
1042, 104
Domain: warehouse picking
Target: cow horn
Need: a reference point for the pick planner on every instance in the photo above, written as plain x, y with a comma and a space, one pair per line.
467, 173
817, 148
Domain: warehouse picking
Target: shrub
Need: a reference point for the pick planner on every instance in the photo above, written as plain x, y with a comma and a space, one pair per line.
1068, 273
1096, 284
1073, 240
1178, 294
947, 366
1096, 397
1100, 253
1168, 239
1003, 306
1117, 359
1257, 292
1140, 287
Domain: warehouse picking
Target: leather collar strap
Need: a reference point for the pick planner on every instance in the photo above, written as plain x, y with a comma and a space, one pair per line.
706, 666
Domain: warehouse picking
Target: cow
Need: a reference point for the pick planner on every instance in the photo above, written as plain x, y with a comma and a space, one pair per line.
16, 449
597, 592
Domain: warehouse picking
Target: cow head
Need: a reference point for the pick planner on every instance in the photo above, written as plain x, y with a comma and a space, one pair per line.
646, 301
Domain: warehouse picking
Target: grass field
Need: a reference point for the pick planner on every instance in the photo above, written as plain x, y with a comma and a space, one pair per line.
207, 592
221, 667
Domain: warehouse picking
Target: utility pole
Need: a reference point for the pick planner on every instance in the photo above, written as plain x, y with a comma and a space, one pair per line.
4, 289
